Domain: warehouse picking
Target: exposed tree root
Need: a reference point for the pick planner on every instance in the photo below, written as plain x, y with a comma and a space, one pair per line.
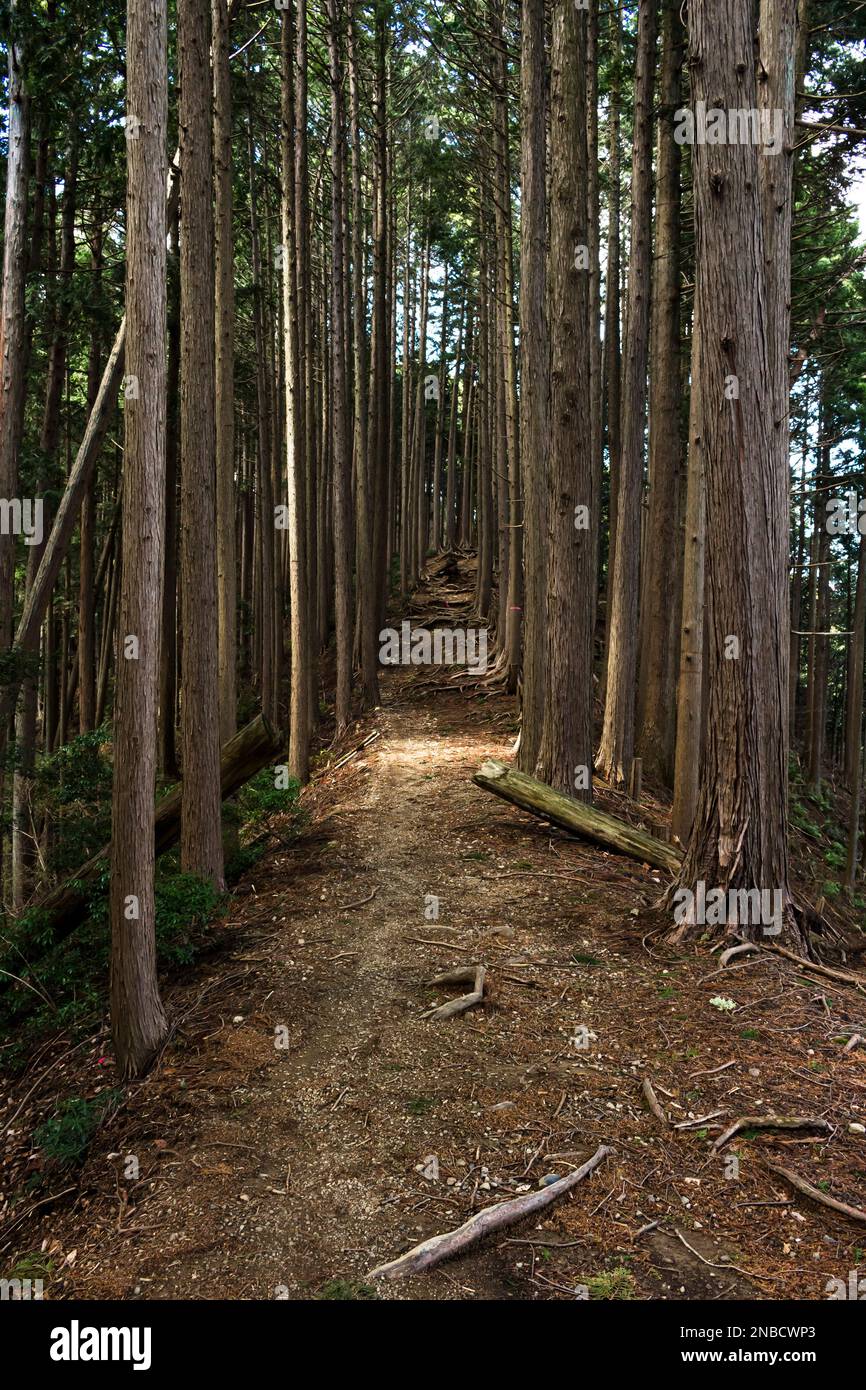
451, 1243
772, 1122
469, 974
806, 1188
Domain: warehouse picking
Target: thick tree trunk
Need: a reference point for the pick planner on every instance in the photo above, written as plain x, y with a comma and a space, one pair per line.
739, 838
138, 1023
659, 616
565, 756
617, 740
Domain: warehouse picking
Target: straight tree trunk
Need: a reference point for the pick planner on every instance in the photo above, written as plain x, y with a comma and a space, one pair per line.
659, 616
12, 316
201, 833
368, 617
301, 690
565, 758
340, 409
534, 376
739, 838
138, 1023
225, 362
617, 740
690, 687
612, 331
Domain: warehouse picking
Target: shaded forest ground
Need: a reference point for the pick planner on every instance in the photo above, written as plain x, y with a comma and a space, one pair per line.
291, 1171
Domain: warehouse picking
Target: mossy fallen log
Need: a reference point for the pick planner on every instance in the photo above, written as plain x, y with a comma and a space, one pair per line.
586, 821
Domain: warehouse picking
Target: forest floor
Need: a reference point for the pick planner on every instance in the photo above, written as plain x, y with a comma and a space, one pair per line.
291, 1171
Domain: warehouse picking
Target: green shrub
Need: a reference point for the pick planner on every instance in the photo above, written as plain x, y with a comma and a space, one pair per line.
67, 1135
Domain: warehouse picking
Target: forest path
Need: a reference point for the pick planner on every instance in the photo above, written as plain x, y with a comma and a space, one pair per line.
291, 1171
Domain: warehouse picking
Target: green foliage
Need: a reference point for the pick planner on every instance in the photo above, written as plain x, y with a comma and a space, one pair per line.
73, 787
346, 1290
71, 979
67, 1135
614, 1284
259, 799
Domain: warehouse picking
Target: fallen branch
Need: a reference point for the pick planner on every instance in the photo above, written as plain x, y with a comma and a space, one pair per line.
496, 1218
806, 1188
576, 816
654, 1103
469, 974
772, 1122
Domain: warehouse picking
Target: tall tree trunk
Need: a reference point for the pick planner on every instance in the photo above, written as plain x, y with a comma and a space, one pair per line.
565, 758
225, 362
138, 1024
368, 617
612, 330
12, 311
659, 617
617, 740
739, 838
340, 409
86, 587
301, 690
534, 376
201, 834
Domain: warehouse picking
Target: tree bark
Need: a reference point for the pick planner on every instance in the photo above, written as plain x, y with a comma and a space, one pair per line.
659, 616
534, 376
138, 1023
739, 838
541, 800
225, 363
565, 756
617, 740
201, 834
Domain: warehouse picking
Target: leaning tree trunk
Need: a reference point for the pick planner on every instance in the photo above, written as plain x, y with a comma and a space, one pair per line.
138, 1024
739, 839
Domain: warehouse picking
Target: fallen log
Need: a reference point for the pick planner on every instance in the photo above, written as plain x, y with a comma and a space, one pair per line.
251, 749
541, 800
484, 1223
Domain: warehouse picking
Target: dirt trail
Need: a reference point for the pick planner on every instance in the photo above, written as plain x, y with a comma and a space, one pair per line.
307, 1123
